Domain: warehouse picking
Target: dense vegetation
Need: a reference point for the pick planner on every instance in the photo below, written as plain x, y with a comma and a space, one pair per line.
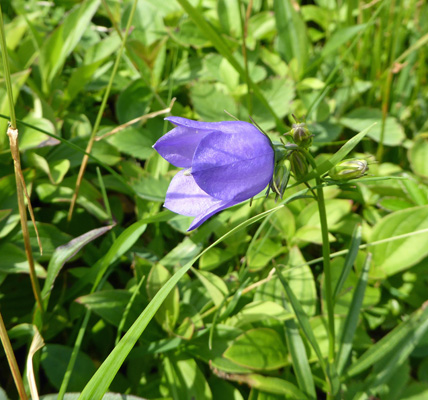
246, 314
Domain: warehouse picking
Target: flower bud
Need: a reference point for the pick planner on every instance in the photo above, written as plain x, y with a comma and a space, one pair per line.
349, 169
298, 164
301, 135
280, 179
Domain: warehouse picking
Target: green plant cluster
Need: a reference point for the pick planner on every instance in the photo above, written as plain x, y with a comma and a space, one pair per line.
236, 309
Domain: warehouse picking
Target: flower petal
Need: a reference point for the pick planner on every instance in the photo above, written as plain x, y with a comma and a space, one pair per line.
185, 197
178, 145
200, 219
223, 126
235, 165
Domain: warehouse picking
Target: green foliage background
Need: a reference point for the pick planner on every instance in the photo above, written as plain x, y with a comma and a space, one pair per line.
227, 330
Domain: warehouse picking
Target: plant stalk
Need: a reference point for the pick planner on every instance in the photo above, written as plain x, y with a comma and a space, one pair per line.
12, 132
327, 266
12, 360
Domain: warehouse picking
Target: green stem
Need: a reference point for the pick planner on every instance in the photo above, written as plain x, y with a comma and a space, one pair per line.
7, 72
327, 266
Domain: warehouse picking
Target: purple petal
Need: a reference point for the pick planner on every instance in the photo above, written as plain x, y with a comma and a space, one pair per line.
223, 126
185, 197
178, 145
200, 219
235, 165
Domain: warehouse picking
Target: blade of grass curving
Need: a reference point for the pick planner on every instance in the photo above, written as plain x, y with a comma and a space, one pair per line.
299, 358
101, 111
100, 382
303, 320
211, 34
391, 342
354, 247
351, 322
105, 200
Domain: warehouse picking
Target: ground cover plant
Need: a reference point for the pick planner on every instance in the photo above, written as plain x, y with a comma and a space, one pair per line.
317, 290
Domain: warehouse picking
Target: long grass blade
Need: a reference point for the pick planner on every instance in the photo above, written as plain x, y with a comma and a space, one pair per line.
351, 321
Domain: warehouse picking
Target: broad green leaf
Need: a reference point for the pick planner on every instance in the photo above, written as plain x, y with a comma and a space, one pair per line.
110, 305
214, 285
259, 311
55, 171
394, 256
292, 37
61, 43
336, 209
168, 312
30, 138
259, 349
54, 362
214, 258
359, 118
134, 142
262, 252
185, 379
273, 385
418, 156
133, 102
14, 261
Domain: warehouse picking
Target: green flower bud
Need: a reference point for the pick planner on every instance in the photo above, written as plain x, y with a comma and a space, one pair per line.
280, 179
301, 135
349, 169
298, 165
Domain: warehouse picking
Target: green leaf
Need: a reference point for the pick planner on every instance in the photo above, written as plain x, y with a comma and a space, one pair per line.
402, 338
61, 43
110, 305
394, 256
292, 37
272, 385
185, 379
361, 117
214, 285
99, 383
54, 361
133, 102
168, 312
14, 261
299, 359
259, 311
340, 37
353, 317
260, 349
63, 253
418, 155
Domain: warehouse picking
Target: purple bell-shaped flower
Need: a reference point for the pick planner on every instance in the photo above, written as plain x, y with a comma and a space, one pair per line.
225, 163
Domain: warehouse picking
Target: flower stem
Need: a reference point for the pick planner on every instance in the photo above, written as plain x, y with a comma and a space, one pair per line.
327, 266
12, 360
